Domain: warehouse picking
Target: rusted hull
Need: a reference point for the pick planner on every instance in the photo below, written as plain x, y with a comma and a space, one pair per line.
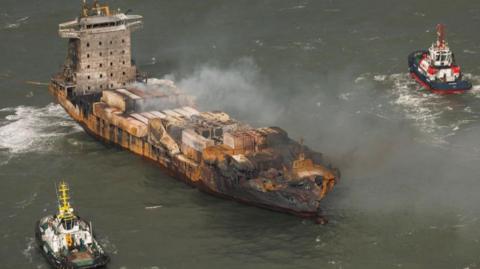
205, 178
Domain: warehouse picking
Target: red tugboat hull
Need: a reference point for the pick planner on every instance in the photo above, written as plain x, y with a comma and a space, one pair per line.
441, 92
456, 87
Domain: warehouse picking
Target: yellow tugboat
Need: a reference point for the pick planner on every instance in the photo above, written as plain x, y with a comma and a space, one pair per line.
66, 240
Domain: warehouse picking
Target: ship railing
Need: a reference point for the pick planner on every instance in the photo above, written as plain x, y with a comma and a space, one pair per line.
68, 33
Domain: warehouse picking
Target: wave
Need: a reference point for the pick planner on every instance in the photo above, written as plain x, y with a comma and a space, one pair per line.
34, 129
108, 246
16, 24
29, 249
430, 113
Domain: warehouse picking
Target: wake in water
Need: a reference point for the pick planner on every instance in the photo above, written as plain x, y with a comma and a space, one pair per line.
437, 117
31, 129
29, 249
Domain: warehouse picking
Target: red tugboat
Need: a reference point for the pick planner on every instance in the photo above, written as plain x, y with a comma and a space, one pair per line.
436, 70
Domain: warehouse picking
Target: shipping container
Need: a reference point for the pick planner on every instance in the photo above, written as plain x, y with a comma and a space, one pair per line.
139, 117
196, 141
158, 136
114, 99
240, 140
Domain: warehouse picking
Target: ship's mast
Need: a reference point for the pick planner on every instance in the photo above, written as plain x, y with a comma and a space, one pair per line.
65, 211
441, 36
95, 9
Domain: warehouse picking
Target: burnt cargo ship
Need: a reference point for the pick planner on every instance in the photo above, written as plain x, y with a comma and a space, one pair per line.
100, 87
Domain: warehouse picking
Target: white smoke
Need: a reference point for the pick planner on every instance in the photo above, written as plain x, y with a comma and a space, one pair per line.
238, 89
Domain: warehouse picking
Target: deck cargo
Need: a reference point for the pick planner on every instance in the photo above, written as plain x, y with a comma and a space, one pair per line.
154, 119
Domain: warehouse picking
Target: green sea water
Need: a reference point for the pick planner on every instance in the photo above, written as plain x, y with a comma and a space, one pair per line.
333, 72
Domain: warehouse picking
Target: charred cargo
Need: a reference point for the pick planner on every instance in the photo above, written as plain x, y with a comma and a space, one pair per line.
100, 88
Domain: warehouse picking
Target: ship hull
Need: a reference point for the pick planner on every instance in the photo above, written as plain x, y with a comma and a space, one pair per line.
271, 201
456, 87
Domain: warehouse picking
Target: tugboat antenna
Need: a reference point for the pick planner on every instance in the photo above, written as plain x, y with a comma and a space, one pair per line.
56, 194
441, 35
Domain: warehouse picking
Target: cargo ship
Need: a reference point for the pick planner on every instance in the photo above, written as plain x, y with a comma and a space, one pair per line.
435, 69
100, 87
66, 240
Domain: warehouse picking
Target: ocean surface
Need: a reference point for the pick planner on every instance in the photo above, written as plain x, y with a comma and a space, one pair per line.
333, 72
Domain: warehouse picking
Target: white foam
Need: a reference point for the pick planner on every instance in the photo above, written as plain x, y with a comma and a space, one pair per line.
29, 249
425, 110
17, 23
153, 207
108, 246
379, 77
30, 129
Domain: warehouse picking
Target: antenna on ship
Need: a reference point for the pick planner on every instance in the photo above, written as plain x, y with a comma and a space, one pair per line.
302, 152
440, 35
84, 8
65, 211
95, 9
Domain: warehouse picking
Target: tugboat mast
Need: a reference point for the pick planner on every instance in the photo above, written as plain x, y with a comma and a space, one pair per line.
65, 211
441, 36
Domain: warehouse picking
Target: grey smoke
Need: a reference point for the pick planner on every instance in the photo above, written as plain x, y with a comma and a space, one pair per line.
236, 89
359, 129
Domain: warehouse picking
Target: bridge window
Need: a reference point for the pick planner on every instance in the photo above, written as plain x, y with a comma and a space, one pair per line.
101, 75
101, 65
88, 66
111, 53
111, 74
101, 86
88, 55
123, 73
88, 77
100, 43
88, 44
100, 54
111, 63
123, 40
